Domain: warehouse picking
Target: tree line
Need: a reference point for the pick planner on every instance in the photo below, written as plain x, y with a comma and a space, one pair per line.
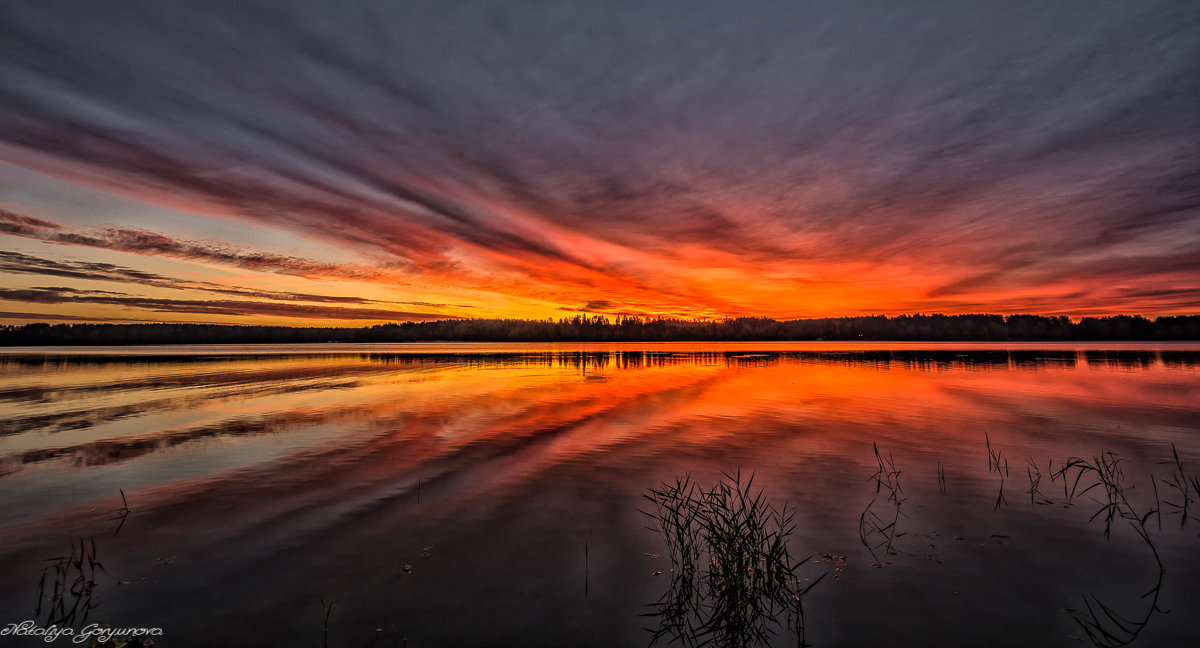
600, 328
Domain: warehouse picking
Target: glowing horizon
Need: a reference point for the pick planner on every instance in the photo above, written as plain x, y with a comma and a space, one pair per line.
520, 164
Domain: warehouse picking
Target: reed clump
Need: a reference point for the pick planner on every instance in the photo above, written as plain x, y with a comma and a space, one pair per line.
67, 587
1103, 479
733, 579
878, 529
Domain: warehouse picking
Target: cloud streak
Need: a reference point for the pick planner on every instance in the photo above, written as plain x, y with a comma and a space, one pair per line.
667, 158
151, 243
57, 295
17, 263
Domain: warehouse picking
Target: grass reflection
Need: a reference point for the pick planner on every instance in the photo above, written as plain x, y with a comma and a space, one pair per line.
66, 591
733, 579
878, 530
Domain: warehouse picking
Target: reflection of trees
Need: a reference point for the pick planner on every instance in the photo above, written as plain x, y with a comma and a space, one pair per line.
733, 581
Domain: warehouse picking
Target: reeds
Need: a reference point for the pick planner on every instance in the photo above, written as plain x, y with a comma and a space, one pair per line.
1104, 475
876, 531
1179, 485
121, 513
998, 464
327, 608
1035, 481
1101, 480
732, 574
72, 587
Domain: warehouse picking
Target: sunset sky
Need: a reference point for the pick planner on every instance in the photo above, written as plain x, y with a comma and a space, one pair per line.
351, 163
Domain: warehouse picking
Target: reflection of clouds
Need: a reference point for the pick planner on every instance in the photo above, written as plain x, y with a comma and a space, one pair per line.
101, 410
561, 462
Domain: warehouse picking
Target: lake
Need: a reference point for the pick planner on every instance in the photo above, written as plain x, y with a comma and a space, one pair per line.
486, 495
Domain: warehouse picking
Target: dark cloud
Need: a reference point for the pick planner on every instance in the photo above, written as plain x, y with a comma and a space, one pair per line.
151, 243
974, 139
1169, 265
22, 225
54, 317
61, 295
17, 263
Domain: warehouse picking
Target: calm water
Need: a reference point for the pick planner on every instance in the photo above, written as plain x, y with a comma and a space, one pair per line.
443, 495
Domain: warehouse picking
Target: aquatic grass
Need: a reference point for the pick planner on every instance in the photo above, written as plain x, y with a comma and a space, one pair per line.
732, 574
677, 508
1104, 474
66, 592
121, 513
1035, 482
871, 526
1101, 480
998, 464
327, 608
886, 476
1181, 486
72, 589
874, 530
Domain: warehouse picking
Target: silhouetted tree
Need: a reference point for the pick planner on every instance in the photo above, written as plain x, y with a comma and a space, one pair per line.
599, 328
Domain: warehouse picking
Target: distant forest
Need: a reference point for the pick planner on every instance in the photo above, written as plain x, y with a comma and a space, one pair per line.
629, 329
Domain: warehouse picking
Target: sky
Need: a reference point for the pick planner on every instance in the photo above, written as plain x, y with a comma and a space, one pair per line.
353, 163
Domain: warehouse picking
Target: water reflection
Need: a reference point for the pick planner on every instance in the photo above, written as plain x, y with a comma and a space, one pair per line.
281, 480
147, 398
1104, 473
1098, 484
